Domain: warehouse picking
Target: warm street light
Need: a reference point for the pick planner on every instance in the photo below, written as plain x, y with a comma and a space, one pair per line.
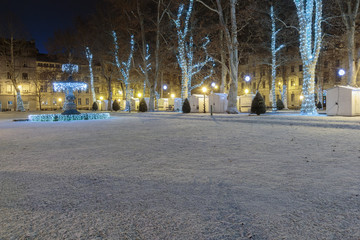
246, 91
101, 98
139, 95
59, 99
172, 95
213, 84
301, 97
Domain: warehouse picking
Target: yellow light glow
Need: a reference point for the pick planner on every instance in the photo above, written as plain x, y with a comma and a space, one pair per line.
139, 95
246, 91
301, 97
20, 87
279, 83
59, 99
216, 87
101, 98
119, 100
120, 92
172, 95
204, 89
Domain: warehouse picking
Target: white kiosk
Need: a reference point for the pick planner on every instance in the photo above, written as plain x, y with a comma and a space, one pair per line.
343, 101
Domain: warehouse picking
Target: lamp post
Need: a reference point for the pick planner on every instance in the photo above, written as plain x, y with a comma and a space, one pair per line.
204, 91
247, 79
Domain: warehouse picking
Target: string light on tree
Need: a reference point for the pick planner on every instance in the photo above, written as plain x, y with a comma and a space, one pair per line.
309, 13
124, 67
185, 55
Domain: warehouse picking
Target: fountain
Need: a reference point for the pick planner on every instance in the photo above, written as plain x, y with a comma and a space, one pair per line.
70, 111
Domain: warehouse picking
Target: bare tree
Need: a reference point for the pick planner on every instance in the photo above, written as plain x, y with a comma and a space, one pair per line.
349, 12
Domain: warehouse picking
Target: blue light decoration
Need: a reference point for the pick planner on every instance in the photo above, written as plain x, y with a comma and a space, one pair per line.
165, 87
213, 84
247, 78
61, 118
341, 72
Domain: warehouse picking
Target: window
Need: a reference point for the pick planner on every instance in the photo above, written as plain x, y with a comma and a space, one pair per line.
79, 101
254, 85
292, 97
25, 65
292, 69
87, 90
254, 74
263, 72
9, 102
337, 63
242, 85
326, 64
87, 101
79, 91
25, 76
263, 84
292, 83
8, 75
9, 88
39, 64
97, 90
300, 68
52, 65
43, 88
300, 81
326, 77
264, 97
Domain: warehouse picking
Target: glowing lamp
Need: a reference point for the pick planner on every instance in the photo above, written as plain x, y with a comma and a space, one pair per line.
301, 97
341, 72
164, 87
59, 99
20, 87
213, 84
139, 95
204, 89
120, 92
247, 78
246, 91
101, 98
172, 95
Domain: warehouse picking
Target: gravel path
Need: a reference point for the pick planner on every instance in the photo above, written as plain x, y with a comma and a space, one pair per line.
178, 176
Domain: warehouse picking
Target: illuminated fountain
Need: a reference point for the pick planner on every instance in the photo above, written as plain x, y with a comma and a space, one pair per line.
70, 111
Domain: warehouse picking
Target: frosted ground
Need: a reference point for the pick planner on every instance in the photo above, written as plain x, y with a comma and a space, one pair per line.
178, 176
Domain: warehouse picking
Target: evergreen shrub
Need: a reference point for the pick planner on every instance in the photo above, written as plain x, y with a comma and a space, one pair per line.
95, 106
258, 104
116, 106
279, 104
143, 106
186, 106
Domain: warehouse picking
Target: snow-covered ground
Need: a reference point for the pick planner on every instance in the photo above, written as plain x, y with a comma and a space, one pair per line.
181, 176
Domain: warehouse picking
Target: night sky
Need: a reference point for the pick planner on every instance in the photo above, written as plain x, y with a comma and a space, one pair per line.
41, 18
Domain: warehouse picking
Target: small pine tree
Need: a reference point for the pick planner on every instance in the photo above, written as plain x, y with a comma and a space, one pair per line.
258, 105
186, 106
319, 105
142, 106
116, 106
95, 106
279, 104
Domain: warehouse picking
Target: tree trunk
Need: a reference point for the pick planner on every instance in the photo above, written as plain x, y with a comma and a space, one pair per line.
351, 56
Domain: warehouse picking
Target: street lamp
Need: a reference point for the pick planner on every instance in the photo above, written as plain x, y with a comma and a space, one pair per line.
341, 72
101, 98
247, 78
139, 95
246, 91
204, 89
172, 95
